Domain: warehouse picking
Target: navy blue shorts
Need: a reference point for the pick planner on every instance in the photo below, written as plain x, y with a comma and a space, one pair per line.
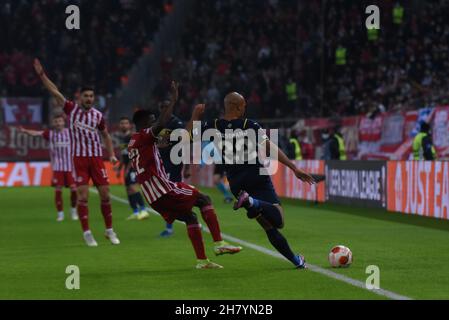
257, 186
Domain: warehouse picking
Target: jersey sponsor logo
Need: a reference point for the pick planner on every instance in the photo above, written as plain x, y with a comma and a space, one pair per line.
80, 125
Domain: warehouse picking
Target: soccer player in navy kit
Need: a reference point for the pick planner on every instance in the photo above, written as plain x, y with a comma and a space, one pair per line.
135, 198
254, 192
174, 171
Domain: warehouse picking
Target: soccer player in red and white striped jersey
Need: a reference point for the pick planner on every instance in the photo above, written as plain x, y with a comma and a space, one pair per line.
173, 200
61, 162
86, 126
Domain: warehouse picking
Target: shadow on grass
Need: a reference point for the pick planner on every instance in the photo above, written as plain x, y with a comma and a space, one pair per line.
374, 213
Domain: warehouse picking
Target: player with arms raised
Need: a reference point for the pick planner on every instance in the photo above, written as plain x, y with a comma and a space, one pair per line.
86, 126
173, 200
61, 162
254, 192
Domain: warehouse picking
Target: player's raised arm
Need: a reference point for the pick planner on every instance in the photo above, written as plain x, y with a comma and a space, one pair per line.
167, 111
51, 87
300, 174
197, 113
33, 133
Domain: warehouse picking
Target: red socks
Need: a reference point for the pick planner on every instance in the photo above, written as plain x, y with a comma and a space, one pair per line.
211, 220
106, 211
194, 232
83, 214
58, 200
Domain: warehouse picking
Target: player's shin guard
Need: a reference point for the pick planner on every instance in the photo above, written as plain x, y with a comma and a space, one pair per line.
73, 197
106, 211
210, 217
280, 243
58, 200
267, 210
83, 214
194, 232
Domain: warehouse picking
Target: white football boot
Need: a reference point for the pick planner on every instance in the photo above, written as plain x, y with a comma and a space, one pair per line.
112, 236
89, 238
74, 214
60, 216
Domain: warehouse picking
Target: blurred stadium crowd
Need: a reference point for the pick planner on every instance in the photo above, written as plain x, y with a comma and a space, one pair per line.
114, 34
285, 58
289, 58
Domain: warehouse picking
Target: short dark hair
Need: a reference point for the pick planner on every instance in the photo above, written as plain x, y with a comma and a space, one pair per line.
86, 88
140, 115
58, 115
125, 118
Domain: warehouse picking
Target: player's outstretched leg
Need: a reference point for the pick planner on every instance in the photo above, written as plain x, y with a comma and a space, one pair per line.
210, 217
106, 211
270, 218
280, 243
59, 204
195, 236
256, 207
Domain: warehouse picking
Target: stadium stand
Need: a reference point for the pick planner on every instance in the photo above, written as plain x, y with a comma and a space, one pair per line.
100, 53
292, 60
272, 52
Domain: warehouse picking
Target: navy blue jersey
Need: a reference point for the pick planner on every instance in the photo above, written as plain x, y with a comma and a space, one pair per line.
243, 126
173, 171
245, 176
123, 145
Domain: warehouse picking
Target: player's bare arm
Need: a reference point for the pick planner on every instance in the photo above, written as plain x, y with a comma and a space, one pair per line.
282, 157
51, 87
109, 146
167, 111
197, 114
33, 133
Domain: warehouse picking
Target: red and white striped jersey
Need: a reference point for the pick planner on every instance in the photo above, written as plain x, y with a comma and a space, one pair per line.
84, 130
146, 161
60, 151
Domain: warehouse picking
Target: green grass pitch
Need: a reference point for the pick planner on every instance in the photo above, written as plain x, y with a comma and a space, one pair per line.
411, 252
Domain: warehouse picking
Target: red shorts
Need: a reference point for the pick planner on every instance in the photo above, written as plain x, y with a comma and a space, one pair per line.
173, 205
63, 179
86, 168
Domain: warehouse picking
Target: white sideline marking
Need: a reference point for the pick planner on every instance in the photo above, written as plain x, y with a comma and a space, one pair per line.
317, 269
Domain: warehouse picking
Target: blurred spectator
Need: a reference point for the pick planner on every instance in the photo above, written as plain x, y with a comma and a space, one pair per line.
113, 34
